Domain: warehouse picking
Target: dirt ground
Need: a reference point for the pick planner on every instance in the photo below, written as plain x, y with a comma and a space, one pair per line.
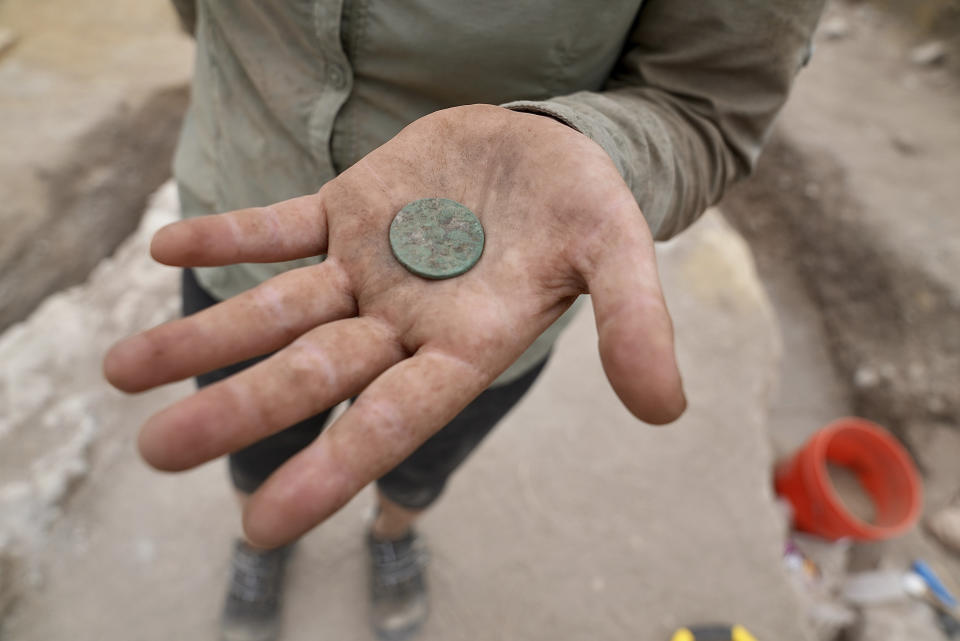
91, 98
853, 219
853, 212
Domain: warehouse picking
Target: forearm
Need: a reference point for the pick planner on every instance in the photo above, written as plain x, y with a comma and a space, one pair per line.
691, 101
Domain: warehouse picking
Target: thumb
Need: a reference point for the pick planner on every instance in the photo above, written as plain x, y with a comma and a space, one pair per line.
636, 333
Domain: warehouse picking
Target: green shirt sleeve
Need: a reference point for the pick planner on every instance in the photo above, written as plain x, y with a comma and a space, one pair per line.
689, 104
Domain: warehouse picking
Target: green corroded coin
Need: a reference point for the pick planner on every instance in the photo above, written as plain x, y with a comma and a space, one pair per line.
436, 238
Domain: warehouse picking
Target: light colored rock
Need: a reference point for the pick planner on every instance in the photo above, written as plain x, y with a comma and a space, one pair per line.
835, 28
866, 377
929, 54
945, 525
55, 401
8, 40
571, 521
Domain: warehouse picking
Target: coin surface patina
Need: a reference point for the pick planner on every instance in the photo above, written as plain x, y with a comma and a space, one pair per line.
436, 238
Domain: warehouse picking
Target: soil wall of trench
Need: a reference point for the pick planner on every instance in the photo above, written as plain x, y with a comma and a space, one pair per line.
892, 330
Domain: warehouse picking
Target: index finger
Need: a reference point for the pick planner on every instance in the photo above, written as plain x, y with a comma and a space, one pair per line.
295, 228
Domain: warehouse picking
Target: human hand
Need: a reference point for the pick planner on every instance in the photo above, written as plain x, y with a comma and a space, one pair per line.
559, 221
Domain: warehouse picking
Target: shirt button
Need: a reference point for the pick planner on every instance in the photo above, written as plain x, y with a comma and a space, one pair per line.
337, 77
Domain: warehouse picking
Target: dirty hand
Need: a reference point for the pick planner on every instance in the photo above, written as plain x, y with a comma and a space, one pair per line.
559, 221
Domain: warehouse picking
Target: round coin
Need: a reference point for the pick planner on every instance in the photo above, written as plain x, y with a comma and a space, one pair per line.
436, 238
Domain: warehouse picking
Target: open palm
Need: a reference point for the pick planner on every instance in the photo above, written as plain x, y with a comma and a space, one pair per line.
559, 221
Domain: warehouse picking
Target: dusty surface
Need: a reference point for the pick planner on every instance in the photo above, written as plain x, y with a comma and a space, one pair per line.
853, 218
91, 97
572, 521
59, 421
858, 191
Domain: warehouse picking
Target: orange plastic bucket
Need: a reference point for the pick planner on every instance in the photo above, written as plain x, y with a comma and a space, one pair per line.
882, 466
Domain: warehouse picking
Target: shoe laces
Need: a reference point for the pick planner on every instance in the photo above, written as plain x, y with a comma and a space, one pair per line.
256, 574
397, 563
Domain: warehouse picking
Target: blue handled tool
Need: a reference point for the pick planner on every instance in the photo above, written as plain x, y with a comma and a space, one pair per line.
936, 586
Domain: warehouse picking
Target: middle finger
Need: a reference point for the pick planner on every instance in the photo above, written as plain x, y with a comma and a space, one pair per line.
323, 367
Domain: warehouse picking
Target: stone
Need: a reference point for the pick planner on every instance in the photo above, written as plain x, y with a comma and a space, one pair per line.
436, 238
835, 28
8, 40
57, 407
929, 54
865, 377
944, 524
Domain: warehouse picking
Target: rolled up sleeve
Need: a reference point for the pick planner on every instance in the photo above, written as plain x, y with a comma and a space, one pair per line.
690, 103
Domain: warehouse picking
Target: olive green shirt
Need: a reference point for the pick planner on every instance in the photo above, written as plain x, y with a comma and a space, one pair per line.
288, 93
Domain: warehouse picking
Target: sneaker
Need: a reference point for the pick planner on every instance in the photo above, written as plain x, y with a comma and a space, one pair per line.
398, 586
252, 608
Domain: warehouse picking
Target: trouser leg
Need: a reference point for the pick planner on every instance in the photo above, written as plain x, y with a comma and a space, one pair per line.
420, 479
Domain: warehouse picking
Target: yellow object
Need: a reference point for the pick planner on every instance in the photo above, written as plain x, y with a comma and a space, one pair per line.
713, 633
739, 633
